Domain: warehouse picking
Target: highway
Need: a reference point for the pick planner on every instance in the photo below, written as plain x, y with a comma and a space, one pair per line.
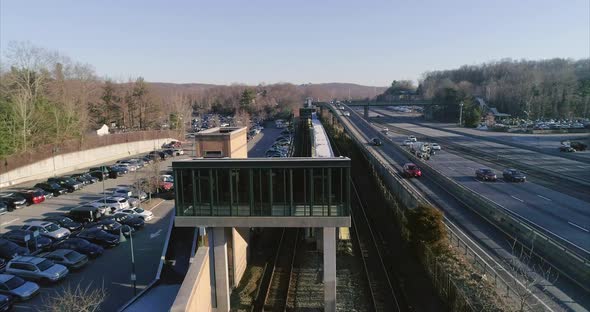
462, 171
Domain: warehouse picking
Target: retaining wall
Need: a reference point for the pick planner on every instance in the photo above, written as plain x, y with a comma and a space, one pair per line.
63, 163
195, 292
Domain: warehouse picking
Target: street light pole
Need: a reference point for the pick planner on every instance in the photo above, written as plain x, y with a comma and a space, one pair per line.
133, 276
461, 114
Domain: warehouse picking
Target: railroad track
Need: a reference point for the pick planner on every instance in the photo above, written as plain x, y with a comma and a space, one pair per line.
275, 293
383, 294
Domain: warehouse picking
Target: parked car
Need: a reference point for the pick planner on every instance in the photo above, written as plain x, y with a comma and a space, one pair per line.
53, 188
127, 166
47, 195
18, 237
100, 175
80, 177
3, 207
36, 268
32, 197
117, 171
6, 302
126, 219
410, 170
99, 237
170, 152
17, 287
71, 259
178, 151
146, 215
85, 213
485, 174
110, 226
65, 222
376, 142
513, 175
115, 203
47, 229
68, 183
9, 249
13, 200
82, 246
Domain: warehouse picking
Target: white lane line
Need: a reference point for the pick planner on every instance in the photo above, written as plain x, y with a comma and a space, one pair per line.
545, 198
477, 180
579, 227
520, 200
156, 205
452, 168
8, 222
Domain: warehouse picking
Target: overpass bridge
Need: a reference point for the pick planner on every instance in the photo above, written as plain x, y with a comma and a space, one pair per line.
426, 104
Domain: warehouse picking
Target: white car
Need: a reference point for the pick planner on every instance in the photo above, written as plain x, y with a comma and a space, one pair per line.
178, 151
127, 166
347, 114
115, 203
412, 138
167, 178
121, 192
48, 229
139, 212
435, 147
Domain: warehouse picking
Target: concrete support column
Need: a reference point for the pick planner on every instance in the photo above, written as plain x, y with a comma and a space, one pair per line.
366, 111
221, 269
329, 269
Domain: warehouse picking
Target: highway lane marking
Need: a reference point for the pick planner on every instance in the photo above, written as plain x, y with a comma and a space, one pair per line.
477, 180
8, 222
579, 227
520, 200
545, 198
452, 168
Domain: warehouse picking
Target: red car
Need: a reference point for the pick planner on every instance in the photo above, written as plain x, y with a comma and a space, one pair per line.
412, 171
33, 197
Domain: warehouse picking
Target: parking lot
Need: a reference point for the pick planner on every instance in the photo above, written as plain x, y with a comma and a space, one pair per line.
113, 269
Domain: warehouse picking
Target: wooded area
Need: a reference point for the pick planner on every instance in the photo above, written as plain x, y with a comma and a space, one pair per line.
546, 89
47, 98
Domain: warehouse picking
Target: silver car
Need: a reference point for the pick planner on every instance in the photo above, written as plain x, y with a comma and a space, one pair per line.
48, 229
35, 268
70, 258
17, 287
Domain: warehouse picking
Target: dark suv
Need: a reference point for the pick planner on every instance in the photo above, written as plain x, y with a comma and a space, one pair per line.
513, 175
376, 142
67, 183
53, 188
486, 174
13, 200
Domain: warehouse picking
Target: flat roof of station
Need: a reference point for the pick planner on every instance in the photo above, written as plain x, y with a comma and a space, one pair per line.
270, 162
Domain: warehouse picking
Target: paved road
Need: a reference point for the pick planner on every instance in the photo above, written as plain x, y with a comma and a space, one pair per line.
258, 146
495, 243
113, 268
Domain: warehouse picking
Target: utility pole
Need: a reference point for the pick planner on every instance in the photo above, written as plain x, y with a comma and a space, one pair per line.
461, 114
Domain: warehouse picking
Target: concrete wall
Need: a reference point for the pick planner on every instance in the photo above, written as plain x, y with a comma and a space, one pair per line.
195, 291
239, 144
241, 239
73, 161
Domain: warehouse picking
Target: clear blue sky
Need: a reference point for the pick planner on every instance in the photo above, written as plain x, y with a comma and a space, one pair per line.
366, 42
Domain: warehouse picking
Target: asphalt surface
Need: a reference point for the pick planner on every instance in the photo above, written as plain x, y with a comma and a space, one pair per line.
112, 270
494, 242
259, 144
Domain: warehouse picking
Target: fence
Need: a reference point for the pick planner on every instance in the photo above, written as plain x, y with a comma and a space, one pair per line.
48, 150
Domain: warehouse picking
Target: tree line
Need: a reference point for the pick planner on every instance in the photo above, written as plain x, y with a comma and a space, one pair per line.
554, 88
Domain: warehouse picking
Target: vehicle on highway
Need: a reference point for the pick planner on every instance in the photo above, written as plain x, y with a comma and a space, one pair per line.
407, 143
99, 237
71, 259
435, 147
385, 130
68, 183
412, 138
347, 114
3, 207
513, 175
17, 287
19, 237
486, 174
36, 269
130, 220
82, 246
376, 142
33, 197
9, 249
410, 170
421, 149
578, 146
565, 148
65, 222
110, 226
85, 213
13, 200
47, 229
54, 188
146, 215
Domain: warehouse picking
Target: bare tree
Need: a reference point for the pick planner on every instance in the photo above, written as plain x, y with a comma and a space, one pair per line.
529, 274
78, 299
